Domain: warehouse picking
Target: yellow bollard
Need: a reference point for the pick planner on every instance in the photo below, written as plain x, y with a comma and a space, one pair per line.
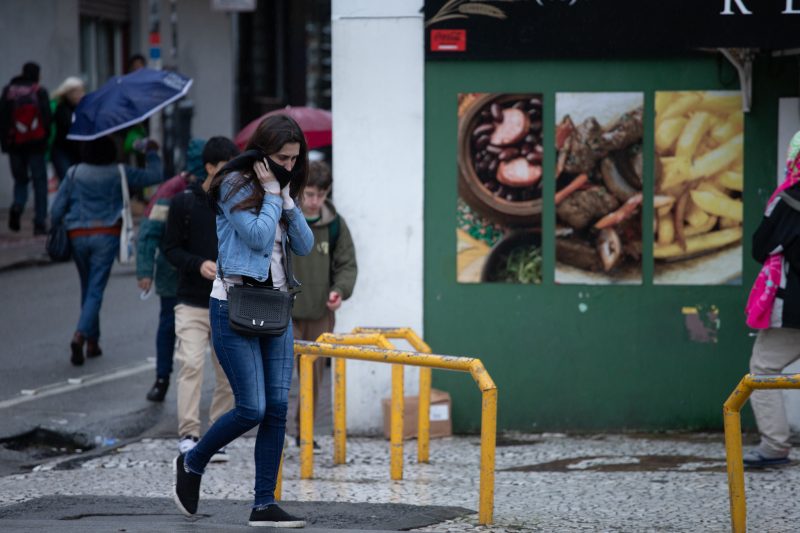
307, 416
339, 412
400, 357
396, 453
424, 413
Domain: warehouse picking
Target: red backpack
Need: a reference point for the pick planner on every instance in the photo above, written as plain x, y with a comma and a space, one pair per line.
26, 117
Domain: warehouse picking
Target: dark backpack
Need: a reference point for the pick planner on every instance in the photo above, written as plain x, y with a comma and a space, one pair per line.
26, 116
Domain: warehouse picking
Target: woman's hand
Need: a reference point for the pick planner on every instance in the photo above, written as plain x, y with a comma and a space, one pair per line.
266, 177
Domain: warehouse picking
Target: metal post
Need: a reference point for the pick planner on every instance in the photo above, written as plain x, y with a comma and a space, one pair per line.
396, 453
307, 416
339, 412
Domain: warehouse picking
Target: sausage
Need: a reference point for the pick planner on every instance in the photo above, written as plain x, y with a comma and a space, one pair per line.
518, 173
512, 129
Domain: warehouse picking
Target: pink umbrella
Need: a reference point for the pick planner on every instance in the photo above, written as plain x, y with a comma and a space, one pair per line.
315, 123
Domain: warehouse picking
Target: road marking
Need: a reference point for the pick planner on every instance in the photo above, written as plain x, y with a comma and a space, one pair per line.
75, 384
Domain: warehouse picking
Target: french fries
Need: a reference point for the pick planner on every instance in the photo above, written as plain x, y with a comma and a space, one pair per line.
699, 243
699, 144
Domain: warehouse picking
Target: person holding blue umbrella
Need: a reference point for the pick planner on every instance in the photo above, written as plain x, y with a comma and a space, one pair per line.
89, 203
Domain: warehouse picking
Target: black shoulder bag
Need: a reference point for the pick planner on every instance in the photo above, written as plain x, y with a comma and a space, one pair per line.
257, 309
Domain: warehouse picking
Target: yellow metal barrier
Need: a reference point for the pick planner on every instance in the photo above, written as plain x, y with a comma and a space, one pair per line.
463, 364
339, 405
733, 437
424, 418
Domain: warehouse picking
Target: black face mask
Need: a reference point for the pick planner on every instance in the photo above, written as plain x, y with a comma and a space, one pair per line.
246, 160
281, 174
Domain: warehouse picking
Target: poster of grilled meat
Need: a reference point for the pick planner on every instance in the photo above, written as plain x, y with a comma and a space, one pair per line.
598, 195
699, 173
499, 188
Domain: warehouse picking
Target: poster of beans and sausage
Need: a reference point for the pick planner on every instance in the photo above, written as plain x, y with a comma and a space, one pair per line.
599, 188
500, 190
699, 162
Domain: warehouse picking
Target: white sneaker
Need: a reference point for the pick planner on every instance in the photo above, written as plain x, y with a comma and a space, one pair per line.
220, 456
186, 443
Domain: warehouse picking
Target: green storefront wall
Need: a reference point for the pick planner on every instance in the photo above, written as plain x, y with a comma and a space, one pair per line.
583, 358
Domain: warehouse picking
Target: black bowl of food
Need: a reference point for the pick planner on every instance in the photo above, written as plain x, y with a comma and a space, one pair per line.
516, 258
500, 157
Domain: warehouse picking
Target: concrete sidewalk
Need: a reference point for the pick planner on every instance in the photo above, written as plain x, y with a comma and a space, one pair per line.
20, 249
545, 482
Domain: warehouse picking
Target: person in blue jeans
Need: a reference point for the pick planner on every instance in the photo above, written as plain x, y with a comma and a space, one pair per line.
89, 201
258, 223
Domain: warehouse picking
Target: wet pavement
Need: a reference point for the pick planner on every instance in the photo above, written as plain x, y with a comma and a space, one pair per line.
546, 482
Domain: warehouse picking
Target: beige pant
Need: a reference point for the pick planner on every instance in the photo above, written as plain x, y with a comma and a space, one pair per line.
774, 350
193, 330
309, 330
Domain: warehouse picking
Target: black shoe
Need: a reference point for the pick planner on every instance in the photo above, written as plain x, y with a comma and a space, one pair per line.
92, 348
76, 347
187, 487
39, 230
159, 390
274, 516
14, 216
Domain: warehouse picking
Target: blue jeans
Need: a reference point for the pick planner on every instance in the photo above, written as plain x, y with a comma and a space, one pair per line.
94, 256
29, 166
259, 370
165, 337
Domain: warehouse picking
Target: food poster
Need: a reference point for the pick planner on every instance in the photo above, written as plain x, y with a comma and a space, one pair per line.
499, 188
599, 188
699, 162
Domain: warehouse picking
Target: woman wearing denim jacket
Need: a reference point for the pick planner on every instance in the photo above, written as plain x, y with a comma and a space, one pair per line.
89, 201
257, 224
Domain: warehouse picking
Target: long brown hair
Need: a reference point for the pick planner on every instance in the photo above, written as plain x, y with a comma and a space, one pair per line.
270, 136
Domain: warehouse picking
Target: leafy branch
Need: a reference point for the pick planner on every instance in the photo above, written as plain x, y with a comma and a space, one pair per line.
461, 9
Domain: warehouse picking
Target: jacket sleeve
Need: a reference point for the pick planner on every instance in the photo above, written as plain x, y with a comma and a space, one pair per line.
150, 234
5, 118
257, 230
344, 269
301, 239
150, 175
175, 237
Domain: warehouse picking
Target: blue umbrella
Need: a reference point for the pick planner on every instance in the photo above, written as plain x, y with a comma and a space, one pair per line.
124, 101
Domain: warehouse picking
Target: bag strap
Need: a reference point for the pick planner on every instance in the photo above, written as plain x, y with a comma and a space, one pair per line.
790, 201
126, 197
70, 181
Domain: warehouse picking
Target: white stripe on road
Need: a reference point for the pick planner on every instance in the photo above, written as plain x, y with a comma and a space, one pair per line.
74, 384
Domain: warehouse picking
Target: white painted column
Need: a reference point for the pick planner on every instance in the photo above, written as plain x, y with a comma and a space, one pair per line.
378, 132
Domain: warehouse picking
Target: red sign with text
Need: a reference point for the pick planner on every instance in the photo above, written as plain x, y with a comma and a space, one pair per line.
448, 40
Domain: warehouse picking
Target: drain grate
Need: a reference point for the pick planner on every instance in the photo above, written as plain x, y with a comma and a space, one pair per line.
44, 443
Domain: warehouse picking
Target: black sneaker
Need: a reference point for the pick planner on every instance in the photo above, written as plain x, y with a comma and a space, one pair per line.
14, 216
187, 487
274, 516
39, 230
159, 390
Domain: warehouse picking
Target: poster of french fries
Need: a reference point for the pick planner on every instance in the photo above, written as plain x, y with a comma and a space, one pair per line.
699, 173
499, 184
599, 188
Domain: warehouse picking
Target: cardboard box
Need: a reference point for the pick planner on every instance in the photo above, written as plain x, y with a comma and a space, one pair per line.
440, 415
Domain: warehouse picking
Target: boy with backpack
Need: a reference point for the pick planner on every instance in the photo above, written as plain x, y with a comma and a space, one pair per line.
190, 245
328, 273
24, 127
